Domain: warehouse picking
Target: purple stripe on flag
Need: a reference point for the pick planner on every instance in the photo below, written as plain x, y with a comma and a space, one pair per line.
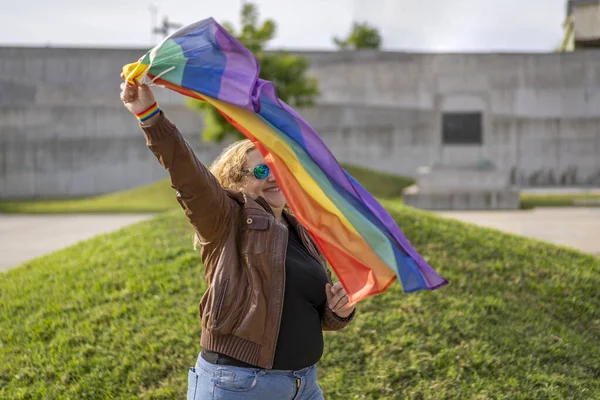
320, 153
433, 279
241, 70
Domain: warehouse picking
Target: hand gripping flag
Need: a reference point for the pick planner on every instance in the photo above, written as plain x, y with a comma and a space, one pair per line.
359, 239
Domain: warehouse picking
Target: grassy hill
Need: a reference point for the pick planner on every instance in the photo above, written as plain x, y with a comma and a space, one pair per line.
155, 197
159, 196
116, 317
532, 200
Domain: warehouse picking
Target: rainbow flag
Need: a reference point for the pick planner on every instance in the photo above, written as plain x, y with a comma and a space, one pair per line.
357, 236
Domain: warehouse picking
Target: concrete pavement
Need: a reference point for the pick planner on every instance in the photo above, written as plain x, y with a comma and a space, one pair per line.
578, 228
24, 237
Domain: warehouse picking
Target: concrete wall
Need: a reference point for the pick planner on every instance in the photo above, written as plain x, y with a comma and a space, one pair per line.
541, 112
85, 151
63, 131
587, 20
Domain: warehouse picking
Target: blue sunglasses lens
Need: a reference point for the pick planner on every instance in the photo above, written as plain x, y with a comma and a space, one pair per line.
261, 171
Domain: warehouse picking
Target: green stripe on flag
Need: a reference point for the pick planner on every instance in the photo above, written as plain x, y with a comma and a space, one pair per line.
168, 55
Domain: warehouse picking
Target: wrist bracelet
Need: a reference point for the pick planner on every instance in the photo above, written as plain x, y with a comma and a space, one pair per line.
148, 113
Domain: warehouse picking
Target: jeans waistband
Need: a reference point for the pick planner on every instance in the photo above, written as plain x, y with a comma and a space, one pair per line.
224, 365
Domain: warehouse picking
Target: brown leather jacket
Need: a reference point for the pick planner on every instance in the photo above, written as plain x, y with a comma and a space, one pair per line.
243, 252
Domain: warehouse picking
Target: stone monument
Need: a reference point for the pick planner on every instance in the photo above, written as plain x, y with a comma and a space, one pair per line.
463, 178
473, 187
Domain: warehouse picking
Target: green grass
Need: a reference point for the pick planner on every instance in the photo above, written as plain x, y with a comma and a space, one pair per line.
116, 317
379, 184
155, 197
158, 197
529, 201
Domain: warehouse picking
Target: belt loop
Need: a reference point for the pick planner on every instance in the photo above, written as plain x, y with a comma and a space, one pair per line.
301, 373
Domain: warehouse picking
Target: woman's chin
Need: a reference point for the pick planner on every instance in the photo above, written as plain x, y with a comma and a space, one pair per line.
275, 199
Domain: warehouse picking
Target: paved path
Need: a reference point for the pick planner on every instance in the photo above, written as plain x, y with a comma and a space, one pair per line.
574, 227
24, 237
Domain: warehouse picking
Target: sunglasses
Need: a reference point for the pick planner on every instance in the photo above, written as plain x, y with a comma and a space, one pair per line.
260, 172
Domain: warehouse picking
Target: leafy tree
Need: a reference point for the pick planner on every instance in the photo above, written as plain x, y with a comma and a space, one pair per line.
362, 36
286, 71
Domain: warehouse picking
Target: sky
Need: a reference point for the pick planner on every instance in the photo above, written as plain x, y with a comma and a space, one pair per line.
406, 25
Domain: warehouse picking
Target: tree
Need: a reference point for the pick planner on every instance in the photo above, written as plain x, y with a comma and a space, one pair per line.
286, 71
362, 36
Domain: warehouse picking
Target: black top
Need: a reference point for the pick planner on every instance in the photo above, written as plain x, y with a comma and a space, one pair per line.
300, 341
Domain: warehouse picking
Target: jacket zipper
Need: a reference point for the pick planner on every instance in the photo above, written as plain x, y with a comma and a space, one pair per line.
220, 301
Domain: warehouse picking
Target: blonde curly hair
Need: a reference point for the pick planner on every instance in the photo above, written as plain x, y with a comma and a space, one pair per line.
228, 166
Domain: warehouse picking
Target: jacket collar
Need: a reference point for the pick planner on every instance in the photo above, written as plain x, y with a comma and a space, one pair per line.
309, 243
249, 202
260, 203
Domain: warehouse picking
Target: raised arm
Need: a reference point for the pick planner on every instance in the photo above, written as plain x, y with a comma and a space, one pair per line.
207, 206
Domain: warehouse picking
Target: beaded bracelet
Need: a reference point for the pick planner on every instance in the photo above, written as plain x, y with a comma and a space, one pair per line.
148, 113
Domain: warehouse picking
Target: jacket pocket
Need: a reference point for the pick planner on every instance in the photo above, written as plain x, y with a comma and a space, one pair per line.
255, 234
218, 304
226, 301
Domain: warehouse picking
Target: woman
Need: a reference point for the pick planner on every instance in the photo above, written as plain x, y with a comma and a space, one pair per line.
270, 294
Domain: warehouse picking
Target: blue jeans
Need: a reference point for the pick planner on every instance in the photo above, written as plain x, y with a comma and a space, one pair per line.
208, 381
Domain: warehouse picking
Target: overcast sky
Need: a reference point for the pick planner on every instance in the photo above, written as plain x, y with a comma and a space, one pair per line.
423, 25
